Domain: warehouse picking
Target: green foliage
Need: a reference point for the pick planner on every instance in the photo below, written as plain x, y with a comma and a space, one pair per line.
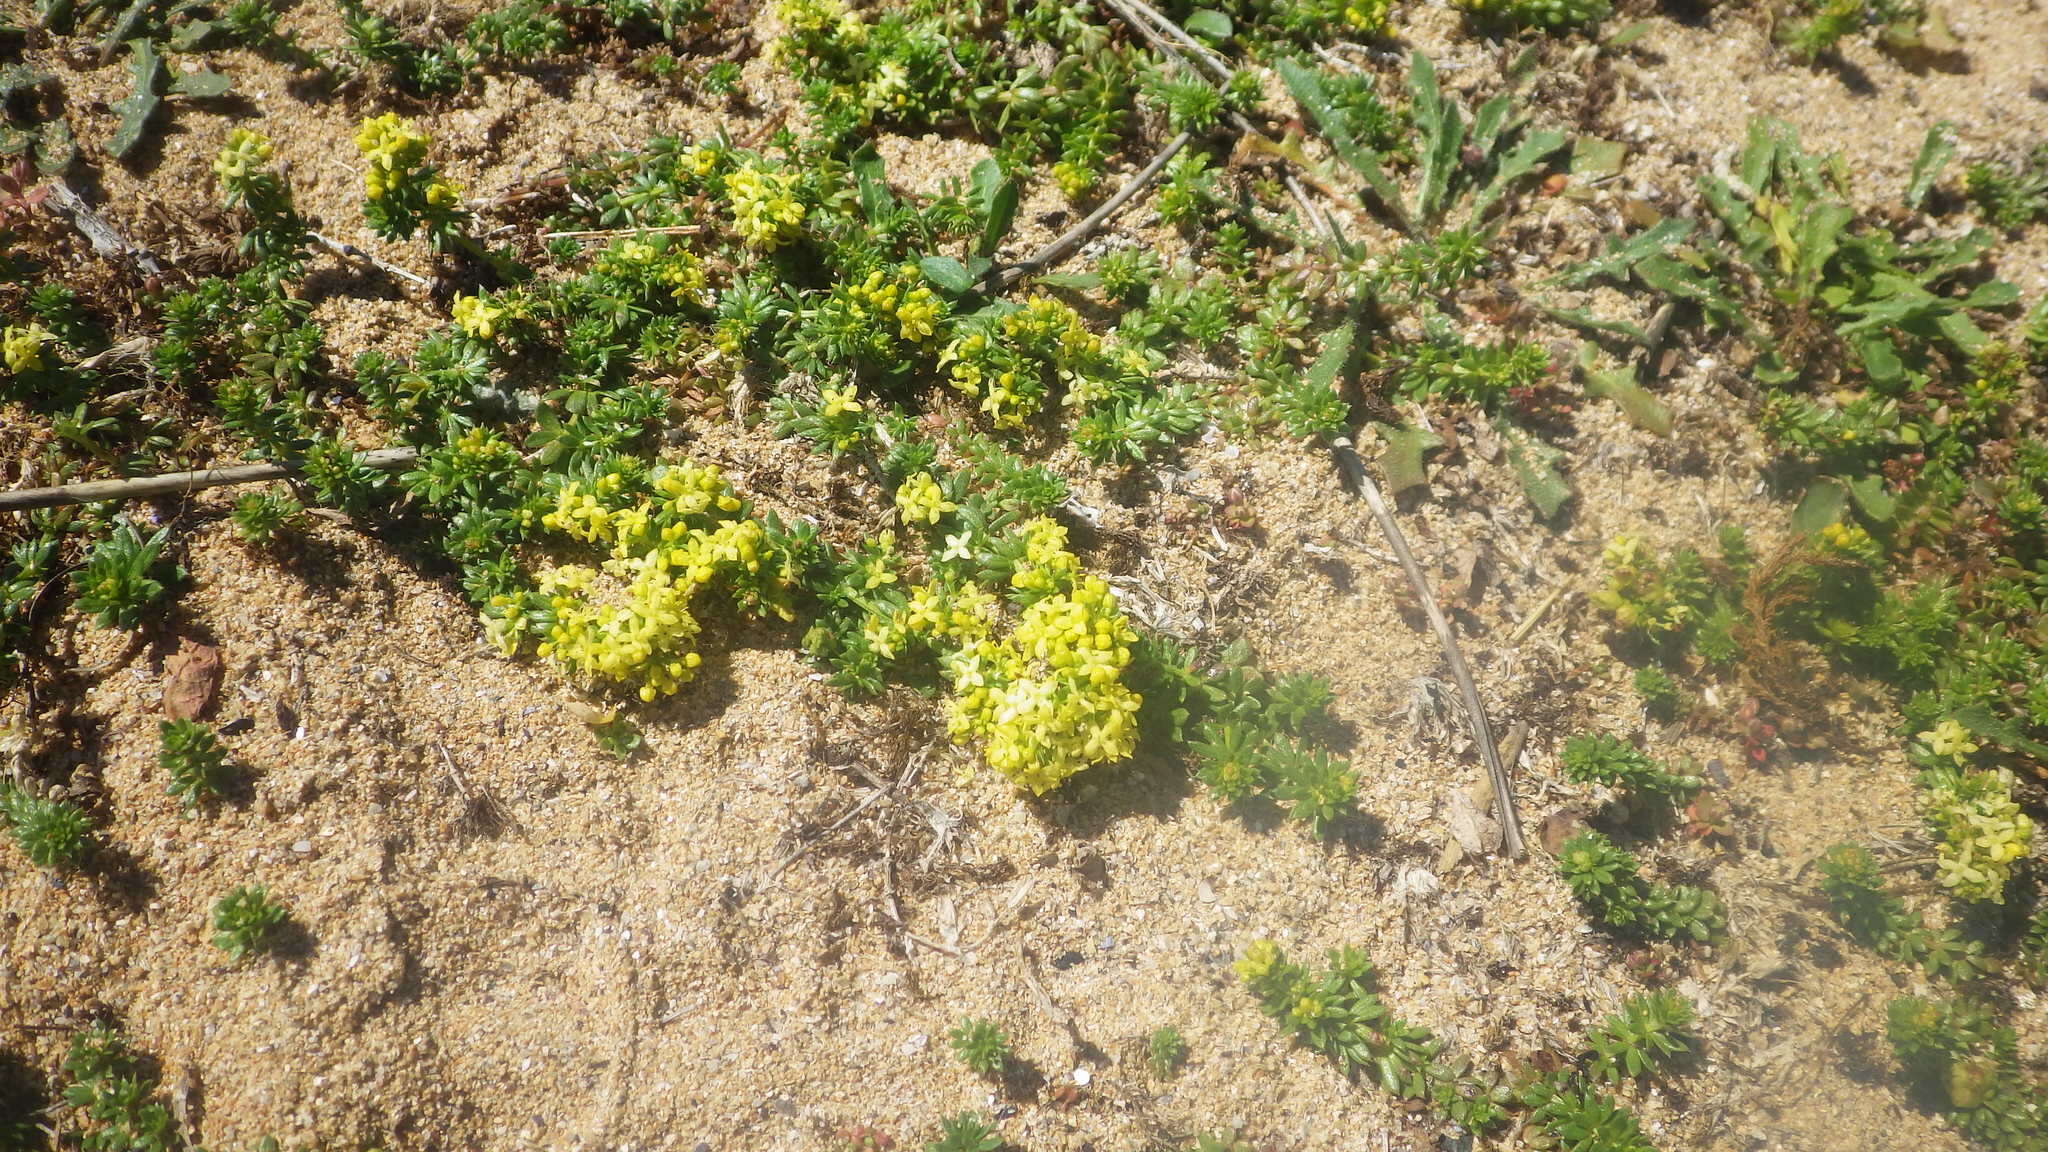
981, 1046
965, 1133
1648, 1032
1600, 758
1823, 24
1880, 920
194, 761
118, 583
1658, 691
246, 920
1574, 1116
1651, 597
116, 1098
1549, 15
260, 516
1607, 882
52, 833
1981, 832
1337, 1014
1258, 736
1165, 1052
1966, 1063
2011, 196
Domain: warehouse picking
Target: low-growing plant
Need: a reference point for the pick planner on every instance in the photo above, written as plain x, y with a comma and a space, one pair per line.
981, 1045
966, 1132
1601, 758
51, 833
194, 761
1606, 879
119, 581
1880, 920
1967, 1063
1648, 1032
260, 516
117, 1099
246, 921
1165, 1052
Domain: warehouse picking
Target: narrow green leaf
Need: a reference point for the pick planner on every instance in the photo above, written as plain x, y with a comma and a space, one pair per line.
1305, 84
869, 178
1627, 36
996, 195
1623, 255
1329, 363
1079, 281
20, 77
1935, 151
1535, 464
137, 108
1637, 403
1982, 722
1443, 137
1526, 157
55, 147
1583, 318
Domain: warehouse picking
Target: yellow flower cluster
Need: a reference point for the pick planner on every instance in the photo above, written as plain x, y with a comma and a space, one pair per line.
1949, 740
1048, 699
1851, 542
974, 374
1006, 370
477, 315
245, 152
889, 87
666, 542
765, 208
394, 147
21, 346
1367, 16
1983, 832
1047, 565
919, 500
810, 20
671, 266
901, 297
1074, 180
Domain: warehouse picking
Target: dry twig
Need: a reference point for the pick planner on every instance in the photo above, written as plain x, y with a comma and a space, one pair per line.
1475, 711
173, 483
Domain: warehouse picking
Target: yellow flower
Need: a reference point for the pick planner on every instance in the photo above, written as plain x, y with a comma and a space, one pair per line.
477, 316
919, 500
22, 347
765, 209
1949, 738
393, 147
839, 400
244, 152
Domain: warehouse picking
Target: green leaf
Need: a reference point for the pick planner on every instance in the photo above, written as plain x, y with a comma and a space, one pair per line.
1208, 23
1592, 158
1871, 495
55, 147
875, 198
1627, 36
1078, 281
1642, 408
1442, 132
1401, 459
1535, 464
1526, 157
1625, 255
1583, 318
1935, 151
1980, 720
1329, 363
1825, 501
19, 78
947, 274
202, 85
996, 195
137, 108
1305, 84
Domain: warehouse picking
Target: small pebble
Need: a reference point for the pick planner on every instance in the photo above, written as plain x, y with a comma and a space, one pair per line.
303, 847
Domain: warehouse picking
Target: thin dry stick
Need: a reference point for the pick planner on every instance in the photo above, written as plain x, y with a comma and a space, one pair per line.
349, 251
1058, 250
608, 233
1475, 712
173, 483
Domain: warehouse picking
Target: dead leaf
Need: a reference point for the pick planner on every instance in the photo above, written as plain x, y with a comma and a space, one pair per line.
191, 680
1472, 829
1559, 827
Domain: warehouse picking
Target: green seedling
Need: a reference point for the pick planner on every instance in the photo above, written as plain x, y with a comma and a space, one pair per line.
1960, 1056
194, 761
1646, 1034
260, 517
246, 921
1165, 1052
966, 1132
1599, 758
981, 1046
1880, 920
118, 583
1607, 882
116, 1099
51, 833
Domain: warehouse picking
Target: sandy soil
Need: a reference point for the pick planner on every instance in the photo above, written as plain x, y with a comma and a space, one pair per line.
508, 939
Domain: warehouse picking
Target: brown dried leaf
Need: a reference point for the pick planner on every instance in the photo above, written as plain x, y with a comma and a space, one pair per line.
191, 680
